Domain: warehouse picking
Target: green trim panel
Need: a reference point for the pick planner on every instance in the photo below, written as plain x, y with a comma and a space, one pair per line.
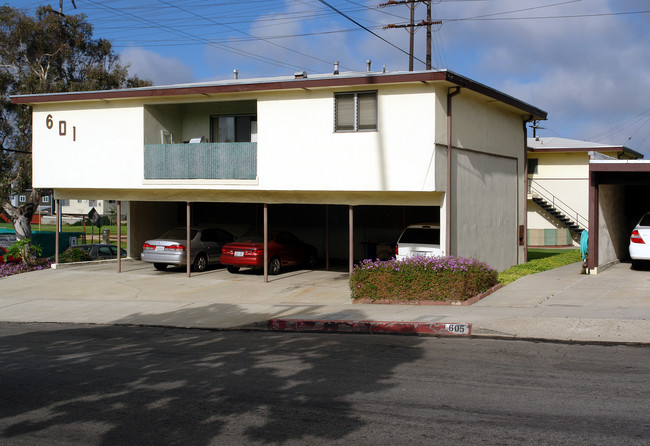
211, 161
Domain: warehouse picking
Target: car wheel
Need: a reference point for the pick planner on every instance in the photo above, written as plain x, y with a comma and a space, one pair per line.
637, 264
160, 266
200, 263
274, 266
232, 269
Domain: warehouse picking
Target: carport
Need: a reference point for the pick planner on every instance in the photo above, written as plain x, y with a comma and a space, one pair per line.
618, 197
342, 233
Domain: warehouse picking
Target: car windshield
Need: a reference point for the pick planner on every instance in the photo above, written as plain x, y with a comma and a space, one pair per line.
425, 236
645, 221
178, 234
252, 237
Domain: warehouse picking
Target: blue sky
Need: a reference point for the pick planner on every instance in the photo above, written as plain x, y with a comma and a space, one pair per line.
586, 62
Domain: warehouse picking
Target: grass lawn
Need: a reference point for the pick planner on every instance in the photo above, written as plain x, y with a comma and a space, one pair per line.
68, 228
540, 259
541, 253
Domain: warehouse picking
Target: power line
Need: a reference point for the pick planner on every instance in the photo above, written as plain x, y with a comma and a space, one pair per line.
247, 34
197, 38
363, 27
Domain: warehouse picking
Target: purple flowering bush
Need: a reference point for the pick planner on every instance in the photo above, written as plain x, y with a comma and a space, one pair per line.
9, 269
421, 278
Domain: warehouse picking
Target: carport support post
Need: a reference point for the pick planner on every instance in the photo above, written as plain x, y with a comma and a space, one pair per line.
187, 238
327, 237
351, 239
592, 250
119, 236
57, 209
266, 242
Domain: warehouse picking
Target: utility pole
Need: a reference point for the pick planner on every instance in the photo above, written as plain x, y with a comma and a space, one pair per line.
412, 4
535, 126
61, 6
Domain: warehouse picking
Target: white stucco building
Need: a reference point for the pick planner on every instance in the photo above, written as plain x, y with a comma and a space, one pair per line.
343, 160
558, 187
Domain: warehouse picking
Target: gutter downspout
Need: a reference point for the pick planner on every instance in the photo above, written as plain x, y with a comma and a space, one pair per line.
450, 94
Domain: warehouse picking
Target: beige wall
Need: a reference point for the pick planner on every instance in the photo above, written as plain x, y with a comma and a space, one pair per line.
484, 212
565, 177
612, 224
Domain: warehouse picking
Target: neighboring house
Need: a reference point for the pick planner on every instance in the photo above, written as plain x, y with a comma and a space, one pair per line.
558, 187
82, 207
345, 161
44, 206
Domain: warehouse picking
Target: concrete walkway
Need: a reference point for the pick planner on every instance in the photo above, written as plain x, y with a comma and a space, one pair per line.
613, 306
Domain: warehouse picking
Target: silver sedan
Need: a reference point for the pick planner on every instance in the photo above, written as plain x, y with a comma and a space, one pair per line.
170, 248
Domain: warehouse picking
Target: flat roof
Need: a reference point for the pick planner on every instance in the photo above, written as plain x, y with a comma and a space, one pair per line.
554, 144
363, 79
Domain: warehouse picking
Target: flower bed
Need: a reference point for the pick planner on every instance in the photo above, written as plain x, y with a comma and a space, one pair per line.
9, 269
441, 279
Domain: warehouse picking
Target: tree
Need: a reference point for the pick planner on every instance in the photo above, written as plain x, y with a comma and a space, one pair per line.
48, 53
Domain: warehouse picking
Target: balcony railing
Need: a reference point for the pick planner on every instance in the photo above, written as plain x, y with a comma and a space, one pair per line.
213, 161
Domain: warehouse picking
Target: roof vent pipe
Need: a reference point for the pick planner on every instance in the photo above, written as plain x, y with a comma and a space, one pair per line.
384, 69
368, 63
235, 74
336, 67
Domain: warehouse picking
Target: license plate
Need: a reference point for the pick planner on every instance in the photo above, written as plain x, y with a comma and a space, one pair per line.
160, 248
239, 253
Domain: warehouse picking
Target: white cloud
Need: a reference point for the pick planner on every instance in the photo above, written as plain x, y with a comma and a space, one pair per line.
155, 67
589, 73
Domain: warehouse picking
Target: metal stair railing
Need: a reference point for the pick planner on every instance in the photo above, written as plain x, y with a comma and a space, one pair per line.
558, 204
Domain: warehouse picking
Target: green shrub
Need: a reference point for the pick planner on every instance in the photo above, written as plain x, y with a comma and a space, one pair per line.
421, 278
74, 255
24, 250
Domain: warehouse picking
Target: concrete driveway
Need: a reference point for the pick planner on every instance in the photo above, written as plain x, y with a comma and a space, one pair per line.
561, 304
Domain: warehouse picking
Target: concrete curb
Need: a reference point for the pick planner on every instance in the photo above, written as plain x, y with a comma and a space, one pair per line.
371, 327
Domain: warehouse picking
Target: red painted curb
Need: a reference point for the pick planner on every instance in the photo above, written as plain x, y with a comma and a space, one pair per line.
371, 327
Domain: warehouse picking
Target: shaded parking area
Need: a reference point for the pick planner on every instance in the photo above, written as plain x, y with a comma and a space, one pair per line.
618, 198
326, 227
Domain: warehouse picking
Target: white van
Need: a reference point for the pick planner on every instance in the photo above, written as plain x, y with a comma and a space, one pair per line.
419, 240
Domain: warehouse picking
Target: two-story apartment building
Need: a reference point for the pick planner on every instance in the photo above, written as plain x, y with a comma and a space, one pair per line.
344, 160
558, 187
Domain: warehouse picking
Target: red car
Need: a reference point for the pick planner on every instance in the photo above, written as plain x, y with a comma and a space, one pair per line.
285, 249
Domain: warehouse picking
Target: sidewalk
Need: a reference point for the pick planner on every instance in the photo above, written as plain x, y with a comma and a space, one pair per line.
613, 306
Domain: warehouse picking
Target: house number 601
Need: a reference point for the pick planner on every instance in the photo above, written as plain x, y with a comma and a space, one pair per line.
63, 127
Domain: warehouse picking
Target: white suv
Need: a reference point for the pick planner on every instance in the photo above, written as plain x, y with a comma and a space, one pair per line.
419, 240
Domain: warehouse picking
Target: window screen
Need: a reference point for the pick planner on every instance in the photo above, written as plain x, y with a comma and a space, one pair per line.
355, 111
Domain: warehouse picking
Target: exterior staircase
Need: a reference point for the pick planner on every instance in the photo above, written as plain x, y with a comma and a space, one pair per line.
569, 217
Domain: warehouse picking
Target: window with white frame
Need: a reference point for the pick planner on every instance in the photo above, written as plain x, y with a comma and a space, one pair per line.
45, 198
22, 198
355, 112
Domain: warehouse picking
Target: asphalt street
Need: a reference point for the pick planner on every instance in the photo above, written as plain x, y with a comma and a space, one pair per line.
101, 385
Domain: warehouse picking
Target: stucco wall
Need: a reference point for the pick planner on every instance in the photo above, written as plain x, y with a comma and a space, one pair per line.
298, 145
148, 219
485, 125
565, 178
613, 225
484, 211
101, 148
298, 148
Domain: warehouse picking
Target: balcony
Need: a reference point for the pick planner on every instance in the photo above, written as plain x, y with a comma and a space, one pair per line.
209, 161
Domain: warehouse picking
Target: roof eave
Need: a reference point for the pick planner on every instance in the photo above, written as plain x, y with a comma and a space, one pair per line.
271, 84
